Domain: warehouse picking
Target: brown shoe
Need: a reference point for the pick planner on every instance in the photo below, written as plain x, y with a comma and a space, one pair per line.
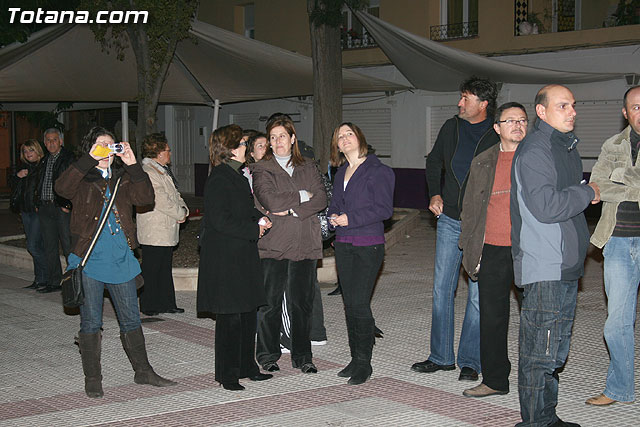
600, 400
482, 390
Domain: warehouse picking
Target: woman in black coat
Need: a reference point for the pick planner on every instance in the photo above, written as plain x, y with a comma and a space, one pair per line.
24, 199
230, 282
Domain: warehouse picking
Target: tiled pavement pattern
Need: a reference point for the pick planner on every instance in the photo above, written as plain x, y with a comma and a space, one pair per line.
41, 382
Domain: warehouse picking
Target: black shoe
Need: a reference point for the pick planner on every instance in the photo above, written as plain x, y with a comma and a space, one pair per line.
271, 367
561, 423
47, 289
309, 368
336, 291
150, 313
175, 310
468, 374
232, 386
261, 377
428, 366
34, 285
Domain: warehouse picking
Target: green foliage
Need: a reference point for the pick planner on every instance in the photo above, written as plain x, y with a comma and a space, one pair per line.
169, 22
44, 120
329, 12
17, 32
628, 12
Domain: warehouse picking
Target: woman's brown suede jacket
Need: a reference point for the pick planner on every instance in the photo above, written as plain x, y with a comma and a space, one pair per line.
83, 184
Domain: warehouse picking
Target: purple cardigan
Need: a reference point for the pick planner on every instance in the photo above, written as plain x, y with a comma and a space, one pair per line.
367, 201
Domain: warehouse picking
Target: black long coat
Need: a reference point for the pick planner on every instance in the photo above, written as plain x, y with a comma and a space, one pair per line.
230, 276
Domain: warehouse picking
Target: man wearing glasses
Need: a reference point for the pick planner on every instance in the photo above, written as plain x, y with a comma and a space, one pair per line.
485, 241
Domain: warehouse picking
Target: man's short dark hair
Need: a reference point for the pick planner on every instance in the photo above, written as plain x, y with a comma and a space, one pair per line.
484, 89
506, 106
624, 99
541, 98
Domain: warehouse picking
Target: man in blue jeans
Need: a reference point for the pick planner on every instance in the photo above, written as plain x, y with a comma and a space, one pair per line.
549, 241
616, 173
460, 139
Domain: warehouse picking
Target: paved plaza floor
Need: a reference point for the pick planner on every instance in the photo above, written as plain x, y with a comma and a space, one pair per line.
41, 380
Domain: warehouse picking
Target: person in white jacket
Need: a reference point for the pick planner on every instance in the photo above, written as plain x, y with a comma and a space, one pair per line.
158, 229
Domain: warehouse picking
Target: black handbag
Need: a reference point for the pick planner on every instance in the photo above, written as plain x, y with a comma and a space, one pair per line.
325, 231
71, 283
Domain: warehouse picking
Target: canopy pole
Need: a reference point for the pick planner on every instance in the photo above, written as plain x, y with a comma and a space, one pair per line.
124, 107
216, 112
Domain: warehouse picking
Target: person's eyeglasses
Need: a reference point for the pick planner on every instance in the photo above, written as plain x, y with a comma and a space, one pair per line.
512, 122
243, 143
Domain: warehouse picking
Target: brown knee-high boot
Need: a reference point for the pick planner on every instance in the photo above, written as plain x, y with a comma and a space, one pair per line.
90, 348
134, 346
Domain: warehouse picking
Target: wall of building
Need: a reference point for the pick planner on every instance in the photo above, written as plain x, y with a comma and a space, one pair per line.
285, 23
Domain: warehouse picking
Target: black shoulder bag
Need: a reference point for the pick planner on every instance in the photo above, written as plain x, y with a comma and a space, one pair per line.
71, 283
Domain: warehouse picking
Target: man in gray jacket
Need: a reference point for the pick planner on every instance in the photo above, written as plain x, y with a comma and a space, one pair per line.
549, 238
616, 173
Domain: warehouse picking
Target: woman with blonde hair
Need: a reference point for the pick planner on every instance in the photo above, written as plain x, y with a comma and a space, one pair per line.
24, 199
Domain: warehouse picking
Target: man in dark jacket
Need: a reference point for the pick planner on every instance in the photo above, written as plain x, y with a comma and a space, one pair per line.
485, 241
460, 139
54, 211
549, 238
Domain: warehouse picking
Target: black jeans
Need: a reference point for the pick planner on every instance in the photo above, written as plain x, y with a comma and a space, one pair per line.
158, 293
235, 346
494, 286
55, 228
358, 268
297, 278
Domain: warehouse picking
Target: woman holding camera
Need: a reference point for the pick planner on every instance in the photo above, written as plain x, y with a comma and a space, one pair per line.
230, 277
291, 188
89, 183
362, 199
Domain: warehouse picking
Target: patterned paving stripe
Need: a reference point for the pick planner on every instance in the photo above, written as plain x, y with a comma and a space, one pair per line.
129, 392
476, 412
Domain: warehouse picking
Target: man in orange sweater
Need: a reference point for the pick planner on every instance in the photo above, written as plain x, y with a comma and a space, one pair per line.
485, 240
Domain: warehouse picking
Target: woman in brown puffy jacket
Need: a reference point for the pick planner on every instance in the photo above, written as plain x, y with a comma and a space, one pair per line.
291, 189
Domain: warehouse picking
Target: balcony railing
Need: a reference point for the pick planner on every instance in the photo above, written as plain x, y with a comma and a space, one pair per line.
462, 30
357, 41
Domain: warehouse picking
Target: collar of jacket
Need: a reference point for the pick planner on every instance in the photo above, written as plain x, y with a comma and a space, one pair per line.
568, 140
94, 174
157, 166
625, 135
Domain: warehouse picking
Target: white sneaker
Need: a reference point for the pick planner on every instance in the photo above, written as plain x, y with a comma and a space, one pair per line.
323, 342
284, 350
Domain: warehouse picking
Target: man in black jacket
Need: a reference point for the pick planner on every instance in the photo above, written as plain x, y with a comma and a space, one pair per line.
460, 139
54, 211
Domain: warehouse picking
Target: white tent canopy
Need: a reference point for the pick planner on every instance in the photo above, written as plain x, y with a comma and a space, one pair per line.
65, 63
433, 66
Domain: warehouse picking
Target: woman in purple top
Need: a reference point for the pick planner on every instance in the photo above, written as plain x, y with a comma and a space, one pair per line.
362, 199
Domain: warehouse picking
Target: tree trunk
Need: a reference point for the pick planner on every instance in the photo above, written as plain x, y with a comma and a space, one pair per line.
149, 85
327, 88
